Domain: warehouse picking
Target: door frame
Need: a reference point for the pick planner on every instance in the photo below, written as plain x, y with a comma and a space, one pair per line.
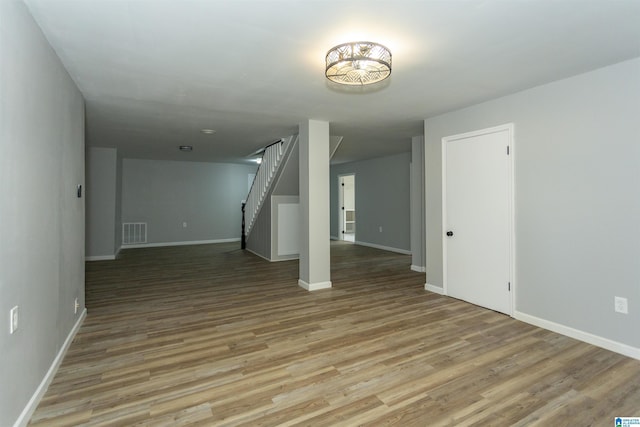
341, 203
509, 128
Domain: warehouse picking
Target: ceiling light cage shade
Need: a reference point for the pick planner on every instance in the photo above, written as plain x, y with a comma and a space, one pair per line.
358, 63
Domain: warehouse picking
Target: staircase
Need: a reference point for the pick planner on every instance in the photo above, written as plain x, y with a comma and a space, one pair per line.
270, 215
271, 159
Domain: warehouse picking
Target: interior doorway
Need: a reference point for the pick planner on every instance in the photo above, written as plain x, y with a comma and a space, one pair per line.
347, 207
478, 217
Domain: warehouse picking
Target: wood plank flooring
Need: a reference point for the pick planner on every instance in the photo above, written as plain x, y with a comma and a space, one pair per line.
214, 336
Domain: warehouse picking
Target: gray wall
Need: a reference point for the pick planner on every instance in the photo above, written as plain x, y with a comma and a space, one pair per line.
288, 180
382, 200
164, 194
42, 220
118, 220
417, 204
577, 170
102, 202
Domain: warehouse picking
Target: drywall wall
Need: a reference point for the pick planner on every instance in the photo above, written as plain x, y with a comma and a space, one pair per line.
117, 231
288, 180
382, 200
417, 205
577, 151
166, 194
315, 257
42, 219
285, 228
101, 203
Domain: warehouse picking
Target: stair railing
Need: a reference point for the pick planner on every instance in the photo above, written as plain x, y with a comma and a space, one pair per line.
271, 159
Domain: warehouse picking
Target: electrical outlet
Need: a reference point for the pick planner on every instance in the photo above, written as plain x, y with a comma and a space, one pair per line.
13, 319
620, 305
184, 224
380, 228
76, 306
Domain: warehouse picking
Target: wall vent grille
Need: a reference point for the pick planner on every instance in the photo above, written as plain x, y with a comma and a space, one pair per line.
134, 233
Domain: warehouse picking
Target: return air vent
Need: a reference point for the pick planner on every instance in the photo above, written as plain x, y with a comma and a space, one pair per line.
134, 233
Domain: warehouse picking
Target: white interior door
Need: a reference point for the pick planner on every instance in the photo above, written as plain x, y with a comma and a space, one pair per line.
477, 217
347, 207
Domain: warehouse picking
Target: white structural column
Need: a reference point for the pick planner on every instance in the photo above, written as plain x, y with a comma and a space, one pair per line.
315, 262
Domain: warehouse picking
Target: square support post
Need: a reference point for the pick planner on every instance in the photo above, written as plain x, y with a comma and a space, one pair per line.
315, 249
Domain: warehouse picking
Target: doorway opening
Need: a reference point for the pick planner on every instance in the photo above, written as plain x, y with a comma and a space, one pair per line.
347, 207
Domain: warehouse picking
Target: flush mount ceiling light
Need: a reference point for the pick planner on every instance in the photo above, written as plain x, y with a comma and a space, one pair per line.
208, 131
358, 63
186, 148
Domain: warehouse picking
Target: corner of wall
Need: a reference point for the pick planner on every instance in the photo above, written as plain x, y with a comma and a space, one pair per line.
29, 409
432, 288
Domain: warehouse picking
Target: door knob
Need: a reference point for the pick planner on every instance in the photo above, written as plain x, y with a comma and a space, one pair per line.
449, 233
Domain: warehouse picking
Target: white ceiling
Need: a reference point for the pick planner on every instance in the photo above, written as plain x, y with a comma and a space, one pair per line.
154, 73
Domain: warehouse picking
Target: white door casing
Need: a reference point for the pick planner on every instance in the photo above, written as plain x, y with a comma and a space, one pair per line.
477, 210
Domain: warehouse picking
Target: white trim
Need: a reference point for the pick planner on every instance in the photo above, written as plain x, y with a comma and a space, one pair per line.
187, 243
418, 269
384, 248
104, 257
596, 340
509, 128
512, 216
314, 286
28, 410
433, 288
332, 152
284, 257
100, 258
443, 219
341, 202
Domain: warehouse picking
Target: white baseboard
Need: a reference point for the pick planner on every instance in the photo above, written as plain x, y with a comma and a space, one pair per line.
333, 238
187, 243
100, 258
432, 288
418, 269
314, 286
28, 410
384, 248
596, 340
104, 257
285, 258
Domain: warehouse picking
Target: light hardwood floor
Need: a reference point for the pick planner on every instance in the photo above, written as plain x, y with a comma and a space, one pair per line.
211, 335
